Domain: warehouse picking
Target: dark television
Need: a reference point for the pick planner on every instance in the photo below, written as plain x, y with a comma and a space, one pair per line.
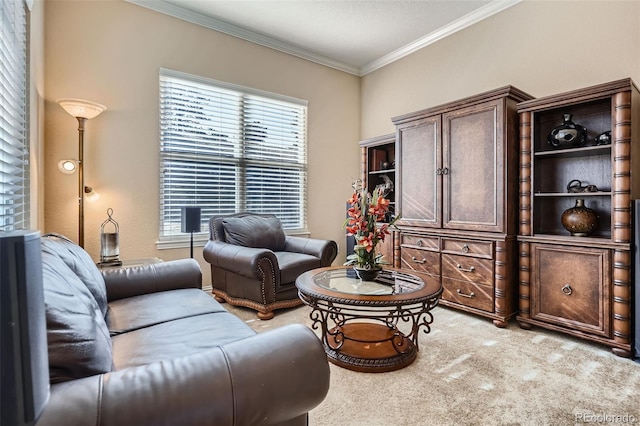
24, 365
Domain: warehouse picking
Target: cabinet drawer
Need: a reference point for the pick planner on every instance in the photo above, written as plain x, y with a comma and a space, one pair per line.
467, 268
570, 287
420, 260
468, 294
418, 241
468, 247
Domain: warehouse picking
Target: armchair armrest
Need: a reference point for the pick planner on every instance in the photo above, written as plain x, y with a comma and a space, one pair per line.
171, 275
245, 261
325, 250
241, 383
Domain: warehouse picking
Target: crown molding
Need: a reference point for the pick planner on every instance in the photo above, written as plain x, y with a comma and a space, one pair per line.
244, 34
171, 9
478, 15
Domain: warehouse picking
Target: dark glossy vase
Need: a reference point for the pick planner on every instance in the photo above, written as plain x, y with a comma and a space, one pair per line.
604, 138
568, 134
580, 220
367, 274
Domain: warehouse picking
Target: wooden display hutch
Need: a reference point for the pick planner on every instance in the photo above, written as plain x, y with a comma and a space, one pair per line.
457, 171
378, 168
579, 285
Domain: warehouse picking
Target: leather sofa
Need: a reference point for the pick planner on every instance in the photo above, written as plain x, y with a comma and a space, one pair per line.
146, 346
255, 264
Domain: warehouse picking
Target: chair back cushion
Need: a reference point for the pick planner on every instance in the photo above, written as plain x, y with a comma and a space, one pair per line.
253, 230
77, 334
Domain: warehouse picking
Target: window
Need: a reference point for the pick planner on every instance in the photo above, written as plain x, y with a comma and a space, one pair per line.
14, 143
228, 149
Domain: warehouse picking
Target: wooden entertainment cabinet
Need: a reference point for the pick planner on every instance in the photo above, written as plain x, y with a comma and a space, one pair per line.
579, 285
457, 191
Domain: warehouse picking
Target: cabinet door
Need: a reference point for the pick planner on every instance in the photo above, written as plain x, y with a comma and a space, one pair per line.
570, 287
419, 152
473, 165
386, 249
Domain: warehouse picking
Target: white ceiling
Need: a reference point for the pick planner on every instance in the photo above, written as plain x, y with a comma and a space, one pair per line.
356, 36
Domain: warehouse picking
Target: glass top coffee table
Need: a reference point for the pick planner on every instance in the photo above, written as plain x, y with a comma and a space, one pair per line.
359, 319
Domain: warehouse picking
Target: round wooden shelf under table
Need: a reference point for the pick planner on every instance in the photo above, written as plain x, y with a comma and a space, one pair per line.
359, 319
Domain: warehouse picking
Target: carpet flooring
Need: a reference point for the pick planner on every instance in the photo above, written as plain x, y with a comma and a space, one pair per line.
469, 372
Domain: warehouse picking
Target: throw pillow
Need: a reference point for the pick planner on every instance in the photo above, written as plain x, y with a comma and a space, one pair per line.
76, 258
77, 335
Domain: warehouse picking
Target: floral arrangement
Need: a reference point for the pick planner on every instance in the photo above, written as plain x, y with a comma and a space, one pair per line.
363, 214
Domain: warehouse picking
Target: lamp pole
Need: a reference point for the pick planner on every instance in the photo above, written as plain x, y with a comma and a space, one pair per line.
83, 111
81, 121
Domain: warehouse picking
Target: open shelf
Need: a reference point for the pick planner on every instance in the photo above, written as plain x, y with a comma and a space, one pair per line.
378, 162
576, 152
383, 172
573, 194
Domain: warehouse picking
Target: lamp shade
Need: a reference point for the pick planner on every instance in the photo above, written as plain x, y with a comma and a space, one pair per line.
68, 166
80, 108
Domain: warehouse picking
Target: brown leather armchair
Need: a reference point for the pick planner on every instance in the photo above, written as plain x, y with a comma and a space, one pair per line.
254, 264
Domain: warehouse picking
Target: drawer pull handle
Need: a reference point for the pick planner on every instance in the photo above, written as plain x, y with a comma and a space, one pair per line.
567, 289
470, 295
419, 243
471, 269
418, 261
465, 248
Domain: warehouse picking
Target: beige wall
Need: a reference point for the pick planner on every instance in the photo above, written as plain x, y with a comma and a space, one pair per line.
541, 47
111, 52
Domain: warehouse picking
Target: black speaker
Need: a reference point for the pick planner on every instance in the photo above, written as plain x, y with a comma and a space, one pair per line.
24, 363
191, 219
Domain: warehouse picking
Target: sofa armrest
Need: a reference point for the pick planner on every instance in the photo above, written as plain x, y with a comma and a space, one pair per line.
171, 275
325, 250
268, 379
245, 261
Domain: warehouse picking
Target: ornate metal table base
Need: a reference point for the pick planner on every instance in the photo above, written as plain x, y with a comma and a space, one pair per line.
362, 338
369, 326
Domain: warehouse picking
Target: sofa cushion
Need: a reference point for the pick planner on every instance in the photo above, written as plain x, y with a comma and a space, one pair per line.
254, 231
77, 335
178, 338
133, 313
292, 265
76, 258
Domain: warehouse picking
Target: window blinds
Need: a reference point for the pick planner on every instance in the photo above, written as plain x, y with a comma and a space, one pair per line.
228, 149
14, 145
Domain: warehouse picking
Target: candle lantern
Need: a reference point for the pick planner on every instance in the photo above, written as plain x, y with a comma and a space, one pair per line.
110, 241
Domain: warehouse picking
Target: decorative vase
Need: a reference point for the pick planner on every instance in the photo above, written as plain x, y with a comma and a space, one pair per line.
580, 220
568, 133
367, 273
604, 138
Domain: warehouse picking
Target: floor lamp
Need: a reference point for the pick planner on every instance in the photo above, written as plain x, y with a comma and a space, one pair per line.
83, 111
